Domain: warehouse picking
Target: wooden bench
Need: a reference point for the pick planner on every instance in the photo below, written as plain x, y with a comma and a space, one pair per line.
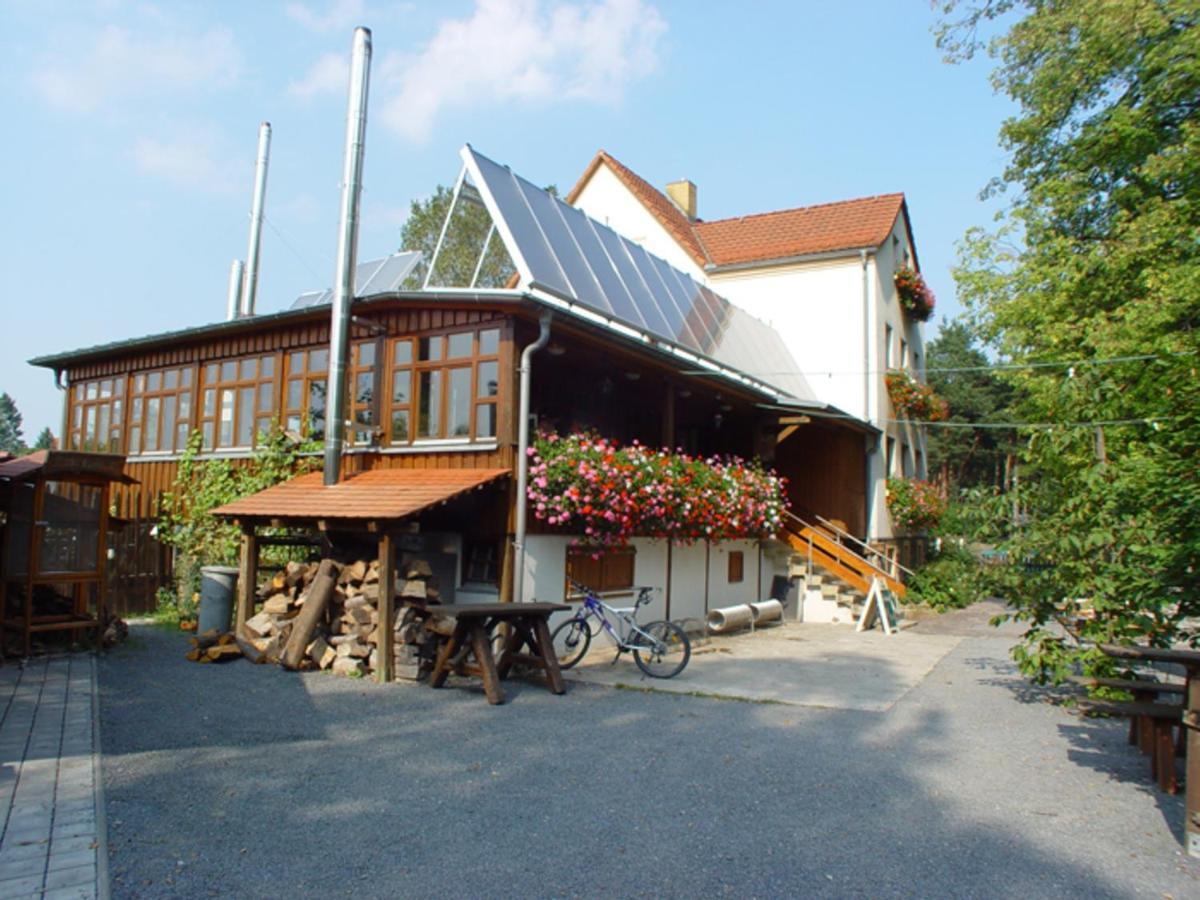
1144, 691
472, 637
1155, 724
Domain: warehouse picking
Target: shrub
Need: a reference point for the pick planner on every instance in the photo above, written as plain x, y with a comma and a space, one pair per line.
948, 581
915, 505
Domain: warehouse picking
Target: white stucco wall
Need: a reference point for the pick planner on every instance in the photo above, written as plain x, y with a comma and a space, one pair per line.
818, 311
689, 563
606, 200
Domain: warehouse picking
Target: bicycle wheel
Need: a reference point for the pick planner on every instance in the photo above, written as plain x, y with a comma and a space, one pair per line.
571, 640
669, 653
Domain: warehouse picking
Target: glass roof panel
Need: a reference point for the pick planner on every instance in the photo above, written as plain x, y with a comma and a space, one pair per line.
584, 287
561, 250
531, 246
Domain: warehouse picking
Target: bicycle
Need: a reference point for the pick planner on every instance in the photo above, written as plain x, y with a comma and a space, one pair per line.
661, 649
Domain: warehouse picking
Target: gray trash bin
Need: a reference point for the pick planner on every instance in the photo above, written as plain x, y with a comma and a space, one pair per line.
218, 586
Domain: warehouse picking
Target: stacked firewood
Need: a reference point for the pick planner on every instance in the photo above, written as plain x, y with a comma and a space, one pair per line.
343, 635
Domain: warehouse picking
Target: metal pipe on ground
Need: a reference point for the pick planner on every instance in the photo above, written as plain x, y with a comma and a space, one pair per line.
343, 285
730, 618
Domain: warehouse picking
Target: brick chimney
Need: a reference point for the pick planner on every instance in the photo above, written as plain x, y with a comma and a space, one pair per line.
683, 195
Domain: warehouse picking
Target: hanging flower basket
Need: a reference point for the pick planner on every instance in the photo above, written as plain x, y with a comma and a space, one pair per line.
915, 296
915, 505
610, 493
914, 400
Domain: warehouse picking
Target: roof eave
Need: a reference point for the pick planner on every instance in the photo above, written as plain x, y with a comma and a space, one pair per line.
791, 260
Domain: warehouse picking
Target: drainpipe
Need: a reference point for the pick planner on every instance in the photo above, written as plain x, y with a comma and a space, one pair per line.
253, 251
867, 375
343, 285
236, 269
523, 454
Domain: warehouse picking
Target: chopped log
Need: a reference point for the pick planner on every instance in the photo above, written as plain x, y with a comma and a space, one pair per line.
372, 576
321, 653
294, 574
373, 637
278, 581
361, 615
346, 665
440, 625
223, 652
250, 651
373, 660
226, 639
431, 592
194, 654
370, 592
338, 639
278, 605
355, 602
414, 588
418, 568
357, 649
207, 639
314, 609
259, 625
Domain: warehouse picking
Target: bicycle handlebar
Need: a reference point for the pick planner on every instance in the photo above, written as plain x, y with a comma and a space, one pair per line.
643, 592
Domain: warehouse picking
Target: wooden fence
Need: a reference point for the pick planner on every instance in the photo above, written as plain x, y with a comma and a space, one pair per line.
139, 564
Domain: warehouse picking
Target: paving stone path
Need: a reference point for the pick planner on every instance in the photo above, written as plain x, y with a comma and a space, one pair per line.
51, 845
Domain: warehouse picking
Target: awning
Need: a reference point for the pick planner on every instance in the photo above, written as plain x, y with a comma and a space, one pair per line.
66, 465
378, 496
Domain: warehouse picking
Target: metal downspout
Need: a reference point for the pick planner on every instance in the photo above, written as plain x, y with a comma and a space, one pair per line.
523, 454
869, 488
343, 285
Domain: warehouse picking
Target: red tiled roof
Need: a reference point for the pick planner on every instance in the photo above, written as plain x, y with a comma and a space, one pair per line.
379, 494
845, 225
848, 225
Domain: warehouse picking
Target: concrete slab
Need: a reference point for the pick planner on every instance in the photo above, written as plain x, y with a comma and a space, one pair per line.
829, 666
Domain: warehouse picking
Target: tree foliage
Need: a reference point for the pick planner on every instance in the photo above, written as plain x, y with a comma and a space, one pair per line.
465, 238
959, 374
1096, 263
45, 440
11, 440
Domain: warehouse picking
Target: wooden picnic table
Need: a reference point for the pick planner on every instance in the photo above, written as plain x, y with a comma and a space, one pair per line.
472, 636
1190, 660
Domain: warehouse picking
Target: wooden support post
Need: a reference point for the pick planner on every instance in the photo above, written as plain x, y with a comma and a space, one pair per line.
247, 578
1191, 806
387, 589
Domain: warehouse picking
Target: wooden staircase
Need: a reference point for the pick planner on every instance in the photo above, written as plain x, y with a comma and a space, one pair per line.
822, 557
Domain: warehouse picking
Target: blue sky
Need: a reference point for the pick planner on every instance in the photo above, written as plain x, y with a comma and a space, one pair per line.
131, 132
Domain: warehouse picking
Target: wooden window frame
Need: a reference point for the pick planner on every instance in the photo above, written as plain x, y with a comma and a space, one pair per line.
299, 418
479, 402
736, 567
260, 419
140, 394
365, 430
611, 569
83, 409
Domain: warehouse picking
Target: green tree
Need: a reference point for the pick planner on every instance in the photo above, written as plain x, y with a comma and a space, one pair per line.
1095, 263
959, 374
11, 440
45, 440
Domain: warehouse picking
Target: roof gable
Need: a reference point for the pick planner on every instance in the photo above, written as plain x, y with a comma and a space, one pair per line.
784, 234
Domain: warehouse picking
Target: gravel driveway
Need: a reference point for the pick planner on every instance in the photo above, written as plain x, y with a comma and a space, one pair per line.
249, 781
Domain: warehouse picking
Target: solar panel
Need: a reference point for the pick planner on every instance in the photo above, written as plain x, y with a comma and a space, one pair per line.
560, 250
376, 276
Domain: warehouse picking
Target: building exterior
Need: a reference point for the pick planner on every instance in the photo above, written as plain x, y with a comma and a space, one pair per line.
627, 345
822, 276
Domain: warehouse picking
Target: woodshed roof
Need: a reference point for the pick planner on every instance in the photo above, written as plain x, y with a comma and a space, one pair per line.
381, 494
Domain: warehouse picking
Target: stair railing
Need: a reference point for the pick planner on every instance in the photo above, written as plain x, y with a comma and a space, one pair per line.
853, 561
887, 562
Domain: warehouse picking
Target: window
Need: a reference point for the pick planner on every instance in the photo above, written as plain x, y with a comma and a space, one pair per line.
921, 473
96, 415
737, 566
362, 398
238, 401
890, 459
611, 571
905, 461
916, 363
445, 386
903, 353
888, 360
160, 411
304, 404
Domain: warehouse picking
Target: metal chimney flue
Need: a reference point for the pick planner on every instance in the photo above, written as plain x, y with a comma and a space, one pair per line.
343, 283
235, 290
250, 280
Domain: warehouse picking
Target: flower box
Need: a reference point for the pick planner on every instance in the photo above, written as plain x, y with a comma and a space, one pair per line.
914, 400
915, 296
610, 493
915, 505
